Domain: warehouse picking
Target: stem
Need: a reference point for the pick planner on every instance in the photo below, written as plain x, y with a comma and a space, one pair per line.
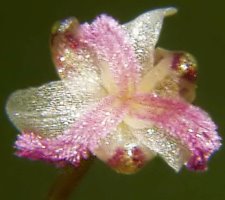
68, 181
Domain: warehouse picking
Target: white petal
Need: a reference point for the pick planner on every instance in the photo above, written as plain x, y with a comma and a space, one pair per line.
50, 109
175, 154
144, 32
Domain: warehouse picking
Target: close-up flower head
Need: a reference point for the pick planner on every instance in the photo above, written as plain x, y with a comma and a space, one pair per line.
121, 98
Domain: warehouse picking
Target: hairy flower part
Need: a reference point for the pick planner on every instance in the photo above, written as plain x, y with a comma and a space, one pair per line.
121, 98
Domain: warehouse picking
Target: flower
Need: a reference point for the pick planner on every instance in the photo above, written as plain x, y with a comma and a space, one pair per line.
120, 99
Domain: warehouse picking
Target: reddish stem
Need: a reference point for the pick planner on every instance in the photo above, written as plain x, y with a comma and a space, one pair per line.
68, 181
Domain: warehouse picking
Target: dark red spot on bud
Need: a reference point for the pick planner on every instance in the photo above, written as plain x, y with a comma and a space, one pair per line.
138, 157
72, 42
127, 161
176, 60
198, 162
185, 65
116, 158
191, 75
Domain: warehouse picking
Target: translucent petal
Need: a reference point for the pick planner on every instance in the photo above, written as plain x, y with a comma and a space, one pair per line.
144, 32
50, 109
188, 124
174, 153
122, 151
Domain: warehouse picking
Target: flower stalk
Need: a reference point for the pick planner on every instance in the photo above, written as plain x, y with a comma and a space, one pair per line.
69, 180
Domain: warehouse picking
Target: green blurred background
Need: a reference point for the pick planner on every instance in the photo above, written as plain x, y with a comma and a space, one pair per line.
199, 27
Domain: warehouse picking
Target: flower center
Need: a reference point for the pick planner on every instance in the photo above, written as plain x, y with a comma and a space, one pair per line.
125, 97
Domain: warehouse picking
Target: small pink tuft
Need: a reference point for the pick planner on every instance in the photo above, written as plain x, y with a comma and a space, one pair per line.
34, 147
